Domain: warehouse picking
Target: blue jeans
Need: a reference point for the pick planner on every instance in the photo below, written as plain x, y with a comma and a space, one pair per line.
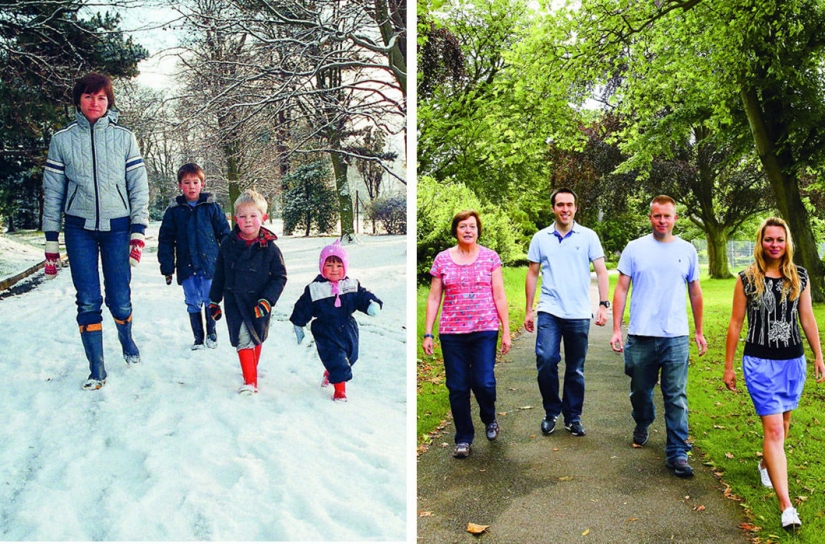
469, 363
196, 293
550, 333
83, 248
644, 357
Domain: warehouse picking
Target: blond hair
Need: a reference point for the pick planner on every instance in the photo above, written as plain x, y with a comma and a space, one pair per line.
251, 196
755, 273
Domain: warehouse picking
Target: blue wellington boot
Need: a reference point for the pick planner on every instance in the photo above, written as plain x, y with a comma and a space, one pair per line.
131, 353
92, 337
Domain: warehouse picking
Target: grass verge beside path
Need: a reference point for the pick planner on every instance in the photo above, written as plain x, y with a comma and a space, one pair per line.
723, 425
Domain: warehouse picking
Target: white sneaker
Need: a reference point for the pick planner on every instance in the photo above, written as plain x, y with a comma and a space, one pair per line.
790, 518
247, 389
763, 473
212, 341
196, 347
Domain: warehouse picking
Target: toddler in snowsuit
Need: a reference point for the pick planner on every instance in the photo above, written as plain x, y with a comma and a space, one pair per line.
188, 241
249, 277
331, 299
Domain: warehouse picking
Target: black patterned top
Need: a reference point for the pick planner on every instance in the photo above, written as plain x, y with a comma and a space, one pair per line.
773, 323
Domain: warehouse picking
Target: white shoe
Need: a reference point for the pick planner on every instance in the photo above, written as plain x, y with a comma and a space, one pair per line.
212, 341
196, 347
247, 389
763, 473
790, 518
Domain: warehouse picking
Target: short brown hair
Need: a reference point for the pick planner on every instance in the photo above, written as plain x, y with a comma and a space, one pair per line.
192, 169
563, 190
91, 84
461, 216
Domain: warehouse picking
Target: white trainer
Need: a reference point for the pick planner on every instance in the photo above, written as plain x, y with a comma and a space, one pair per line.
766, 478
790, 518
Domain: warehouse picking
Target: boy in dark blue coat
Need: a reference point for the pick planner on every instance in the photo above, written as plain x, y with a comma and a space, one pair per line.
249, 278
192, 229
331, 299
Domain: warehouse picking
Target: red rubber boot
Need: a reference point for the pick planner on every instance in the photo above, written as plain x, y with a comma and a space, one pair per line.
340, 391
249, 367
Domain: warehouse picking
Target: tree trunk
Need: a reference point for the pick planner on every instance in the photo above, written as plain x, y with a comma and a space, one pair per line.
339, 167
717, 239
786, 192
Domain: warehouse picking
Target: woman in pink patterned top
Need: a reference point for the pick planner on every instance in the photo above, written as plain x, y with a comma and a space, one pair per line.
470, 279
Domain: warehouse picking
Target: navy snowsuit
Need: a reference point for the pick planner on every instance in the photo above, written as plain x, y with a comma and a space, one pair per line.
244, 274
189, 237
334, 329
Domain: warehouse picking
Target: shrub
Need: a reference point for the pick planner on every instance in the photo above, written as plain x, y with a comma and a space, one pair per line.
390, 212
437, 204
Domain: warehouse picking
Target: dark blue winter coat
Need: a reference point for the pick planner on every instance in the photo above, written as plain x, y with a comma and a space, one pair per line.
334, 329
189, 237
244, 274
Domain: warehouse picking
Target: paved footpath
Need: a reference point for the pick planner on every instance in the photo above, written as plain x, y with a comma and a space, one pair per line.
531, 488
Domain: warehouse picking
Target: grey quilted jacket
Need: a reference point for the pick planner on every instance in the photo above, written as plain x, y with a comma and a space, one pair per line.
95, 172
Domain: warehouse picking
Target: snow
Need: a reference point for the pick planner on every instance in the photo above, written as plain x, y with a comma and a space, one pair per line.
169, 451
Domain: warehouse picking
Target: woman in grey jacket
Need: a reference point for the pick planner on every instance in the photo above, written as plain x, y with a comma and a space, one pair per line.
96, 178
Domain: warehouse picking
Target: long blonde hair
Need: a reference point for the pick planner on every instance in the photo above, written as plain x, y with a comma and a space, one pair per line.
755, 273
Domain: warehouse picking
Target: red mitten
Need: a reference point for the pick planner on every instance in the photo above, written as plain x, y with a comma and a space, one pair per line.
52, 259
136, 245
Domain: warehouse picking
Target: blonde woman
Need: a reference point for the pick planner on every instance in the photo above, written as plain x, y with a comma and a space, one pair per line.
776, 296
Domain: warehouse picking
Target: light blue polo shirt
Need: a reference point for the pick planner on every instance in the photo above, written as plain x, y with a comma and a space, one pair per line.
565, 270
659, 274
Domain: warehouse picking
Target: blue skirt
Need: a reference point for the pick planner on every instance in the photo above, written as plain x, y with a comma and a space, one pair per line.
775, 385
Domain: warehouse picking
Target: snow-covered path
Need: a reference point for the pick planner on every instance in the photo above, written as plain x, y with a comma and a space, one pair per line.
169, 451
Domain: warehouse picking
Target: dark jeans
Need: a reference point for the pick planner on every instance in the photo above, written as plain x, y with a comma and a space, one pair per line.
550, 333
469, 362
645, 357
112, 247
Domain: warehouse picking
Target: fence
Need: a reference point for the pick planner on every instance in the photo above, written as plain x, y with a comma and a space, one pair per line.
740, 253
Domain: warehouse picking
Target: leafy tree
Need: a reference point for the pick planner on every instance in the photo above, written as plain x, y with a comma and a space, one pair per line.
390, 212
309, 203
740, 68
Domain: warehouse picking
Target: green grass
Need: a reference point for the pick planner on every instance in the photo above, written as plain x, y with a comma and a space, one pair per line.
723, 425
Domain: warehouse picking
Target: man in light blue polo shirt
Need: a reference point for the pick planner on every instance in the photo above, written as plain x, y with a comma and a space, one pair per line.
563, 253
660, 266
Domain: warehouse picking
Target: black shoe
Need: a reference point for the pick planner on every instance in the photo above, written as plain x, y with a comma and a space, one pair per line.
548, 425
575, 428
640, 436
492, 430
680, 467
462, 450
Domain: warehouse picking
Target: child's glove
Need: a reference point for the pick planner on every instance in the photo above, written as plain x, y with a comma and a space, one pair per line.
373, 309
215, 311
299, 333
52, 259
263, 308
169, 279
136, 245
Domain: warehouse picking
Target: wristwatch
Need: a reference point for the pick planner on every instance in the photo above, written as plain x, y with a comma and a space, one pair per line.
428, 335
605, 303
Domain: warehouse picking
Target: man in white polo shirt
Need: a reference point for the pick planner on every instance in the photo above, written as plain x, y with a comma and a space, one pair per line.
563, 253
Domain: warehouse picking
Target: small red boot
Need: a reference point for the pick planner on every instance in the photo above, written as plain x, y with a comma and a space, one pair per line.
340, 391
325, 379
249, 368
258, 354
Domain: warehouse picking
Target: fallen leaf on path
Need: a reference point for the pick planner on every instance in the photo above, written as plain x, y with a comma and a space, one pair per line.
750, 527
700, 508
423, 514
628, 520
444, 445
502, 414
587, 532
635, 445
532, 436
526, 408
729, 455
476, 529
565, 478
555, 449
